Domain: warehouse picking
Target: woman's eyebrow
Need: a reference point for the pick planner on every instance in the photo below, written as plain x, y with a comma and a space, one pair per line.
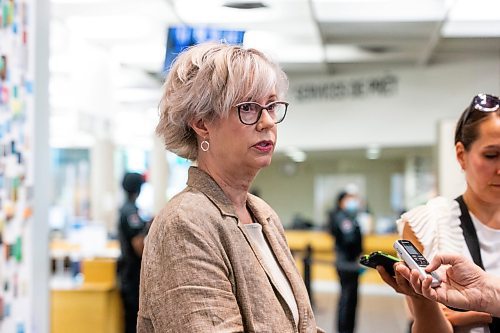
492, 146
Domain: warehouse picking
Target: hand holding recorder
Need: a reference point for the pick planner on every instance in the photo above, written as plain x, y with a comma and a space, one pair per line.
415, 260
464, 285
398, 276
408, 253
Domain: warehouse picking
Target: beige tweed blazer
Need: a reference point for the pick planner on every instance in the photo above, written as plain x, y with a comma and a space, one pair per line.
200, 272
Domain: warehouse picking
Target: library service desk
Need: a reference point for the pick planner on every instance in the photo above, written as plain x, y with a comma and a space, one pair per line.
85, 299
323, 256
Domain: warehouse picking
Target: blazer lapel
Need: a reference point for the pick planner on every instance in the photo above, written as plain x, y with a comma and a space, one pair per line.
284, 259
255, 251
288, 267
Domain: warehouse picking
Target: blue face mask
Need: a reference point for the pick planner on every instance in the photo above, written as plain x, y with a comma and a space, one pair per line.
352, 206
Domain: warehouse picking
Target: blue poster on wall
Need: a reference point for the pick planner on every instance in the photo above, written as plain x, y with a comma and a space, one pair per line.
181, 37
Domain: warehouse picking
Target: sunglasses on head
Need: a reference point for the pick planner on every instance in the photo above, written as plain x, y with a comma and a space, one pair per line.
486, 103
483, 103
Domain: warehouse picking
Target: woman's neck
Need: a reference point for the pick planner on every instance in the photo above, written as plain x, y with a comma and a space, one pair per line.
234, 185
487, 213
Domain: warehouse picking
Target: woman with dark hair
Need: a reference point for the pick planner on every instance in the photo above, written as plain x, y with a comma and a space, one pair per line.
344, 227
468, 225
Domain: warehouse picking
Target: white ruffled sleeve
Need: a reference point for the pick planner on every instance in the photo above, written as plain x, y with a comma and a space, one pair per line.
436, 225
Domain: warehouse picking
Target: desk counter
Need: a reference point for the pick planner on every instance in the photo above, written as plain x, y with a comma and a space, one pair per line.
92, 306
322, 244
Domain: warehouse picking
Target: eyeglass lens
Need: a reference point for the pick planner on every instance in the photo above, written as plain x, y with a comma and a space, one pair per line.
251, 112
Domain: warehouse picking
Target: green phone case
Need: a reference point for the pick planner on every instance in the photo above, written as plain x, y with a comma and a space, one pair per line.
377, 258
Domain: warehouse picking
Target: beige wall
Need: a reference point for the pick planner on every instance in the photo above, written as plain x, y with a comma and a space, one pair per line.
407, 118
289, 194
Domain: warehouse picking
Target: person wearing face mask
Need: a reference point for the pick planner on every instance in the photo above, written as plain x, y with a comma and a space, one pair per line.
344, 227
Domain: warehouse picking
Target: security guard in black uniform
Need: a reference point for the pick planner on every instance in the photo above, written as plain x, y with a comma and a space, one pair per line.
345, 228
131, 232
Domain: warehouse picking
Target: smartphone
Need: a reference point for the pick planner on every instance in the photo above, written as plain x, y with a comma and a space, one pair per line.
415, 260
377, 258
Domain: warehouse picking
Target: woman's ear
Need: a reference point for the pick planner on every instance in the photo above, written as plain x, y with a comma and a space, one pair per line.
460, 154
199, 127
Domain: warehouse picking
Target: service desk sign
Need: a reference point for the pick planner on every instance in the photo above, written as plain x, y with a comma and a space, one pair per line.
383, 85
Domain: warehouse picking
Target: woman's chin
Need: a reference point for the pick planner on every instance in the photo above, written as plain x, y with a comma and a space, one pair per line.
263, 162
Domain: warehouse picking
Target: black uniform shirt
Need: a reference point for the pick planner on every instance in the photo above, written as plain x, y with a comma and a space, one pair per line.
348, 239
130, 225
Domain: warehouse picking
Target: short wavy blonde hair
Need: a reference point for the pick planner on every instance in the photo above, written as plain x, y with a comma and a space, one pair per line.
205, 82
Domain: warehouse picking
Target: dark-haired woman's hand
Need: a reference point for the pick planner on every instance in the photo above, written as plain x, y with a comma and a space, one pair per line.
399, 282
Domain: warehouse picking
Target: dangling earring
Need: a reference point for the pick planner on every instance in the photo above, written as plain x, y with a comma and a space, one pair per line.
205, 145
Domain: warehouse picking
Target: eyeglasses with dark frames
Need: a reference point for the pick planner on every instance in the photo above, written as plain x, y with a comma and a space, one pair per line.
250, 112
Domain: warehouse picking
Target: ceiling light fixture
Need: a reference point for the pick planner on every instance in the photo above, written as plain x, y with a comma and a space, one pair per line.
373, 152
296, 154
244, 4
376, 49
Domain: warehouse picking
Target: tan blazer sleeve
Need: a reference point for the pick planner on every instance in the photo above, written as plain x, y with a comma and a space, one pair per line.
185, 284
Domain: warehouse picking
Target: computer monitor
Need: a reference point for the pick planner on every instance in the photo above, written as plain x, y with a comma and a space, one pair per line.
182, 36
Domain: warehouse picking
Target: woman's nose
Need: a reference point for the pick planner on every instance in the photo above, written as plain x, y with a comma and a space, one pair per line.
265, 119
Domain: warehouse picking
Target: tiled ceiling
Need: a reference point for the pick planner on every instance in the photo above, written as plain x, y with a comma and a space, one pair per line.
304, 35
307, 37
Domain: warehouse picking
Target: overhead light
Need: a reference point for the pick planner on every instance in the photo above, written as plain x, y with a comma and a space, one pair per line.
376, 49
244, 4
229, 14
373, 152
295, 154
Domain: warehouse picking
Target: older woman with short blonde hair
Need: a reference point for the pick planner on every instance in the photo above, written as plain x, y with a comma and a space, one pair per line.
208, 82
216, 257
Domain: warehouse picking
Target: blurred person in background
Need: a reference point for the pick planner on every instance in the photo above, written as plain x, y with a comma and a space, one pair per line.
216, 258
344, 227
131, 233
468, 225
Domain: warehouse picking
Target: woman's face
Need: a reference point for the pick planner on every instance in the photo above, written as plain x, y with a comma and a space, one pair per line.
482, 162
237, 147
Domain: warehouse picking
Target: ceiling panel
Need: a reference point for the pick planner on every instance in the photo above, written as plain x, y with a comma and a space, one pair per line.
392, 31
307, 37
379, 10
301, 34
